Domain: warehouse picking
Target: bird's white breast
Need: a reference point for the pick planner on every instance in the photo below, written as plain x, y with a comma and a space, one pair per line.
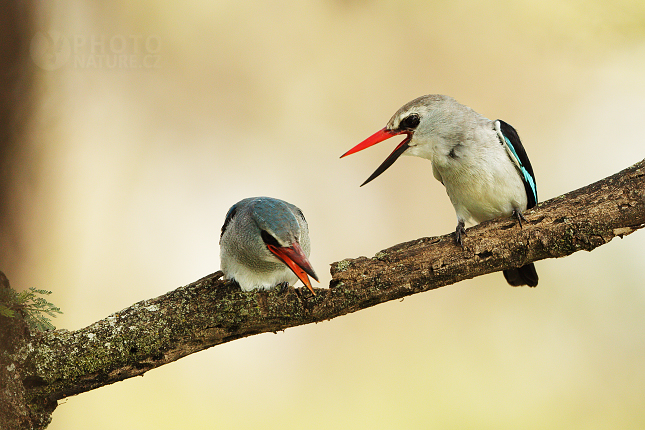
480, 179
250, 279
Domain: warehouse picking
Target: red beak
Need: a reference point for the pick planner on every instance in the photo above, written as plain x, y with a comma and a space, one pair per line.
377, 137
295, 258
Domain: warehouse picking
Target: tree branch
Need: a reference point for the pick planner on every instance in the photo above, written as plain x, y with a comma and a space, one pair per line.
211, 311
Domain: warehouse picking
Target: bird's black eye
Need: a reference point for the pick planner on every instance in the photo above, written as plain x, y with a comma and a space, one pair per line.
268, 239
410, 122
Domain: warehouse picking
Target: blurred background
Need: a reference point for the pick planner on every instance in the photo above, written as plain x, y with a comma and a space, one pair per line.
145, 121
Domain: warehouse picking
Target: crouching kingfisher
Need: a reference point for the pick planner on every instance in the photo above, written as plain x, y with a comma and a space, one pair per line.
265, 243
482, 163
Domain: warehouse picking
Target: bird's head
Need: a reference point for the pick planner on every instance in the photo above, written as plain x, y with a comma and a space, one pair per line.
422, 120
282, 228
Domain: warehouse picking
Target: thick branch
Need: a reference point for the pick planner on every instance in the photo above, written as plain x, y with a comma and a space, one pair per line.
210, 311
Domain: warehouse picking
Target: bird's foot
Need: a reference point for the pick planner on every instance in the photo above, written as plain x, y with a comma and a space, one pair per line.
520, 217
460, 231
282, 287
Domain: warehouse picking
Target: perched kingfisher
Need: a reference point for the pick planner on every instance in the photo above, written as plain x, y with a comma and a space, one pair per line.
482, 163
265, 243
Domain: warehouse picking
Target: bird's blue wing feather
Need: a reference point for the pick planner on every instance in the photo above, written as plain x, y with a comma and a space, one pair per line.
516, 151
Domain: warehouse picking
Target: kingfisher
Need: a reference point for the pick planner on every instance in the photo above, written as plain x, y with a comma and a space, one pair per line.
482, 163
265, 243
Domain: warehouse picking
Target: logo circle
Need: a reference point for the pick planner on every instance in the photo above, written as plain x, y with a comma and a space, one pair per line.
50, 51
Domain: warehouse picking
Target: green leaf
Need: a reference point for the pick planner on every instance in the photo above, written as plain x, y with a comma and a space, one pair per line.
6, 312
32, 306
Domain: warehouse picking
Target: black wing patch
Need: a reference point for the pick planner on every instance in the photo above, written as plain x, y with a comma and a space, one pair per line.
517, 151
229, 217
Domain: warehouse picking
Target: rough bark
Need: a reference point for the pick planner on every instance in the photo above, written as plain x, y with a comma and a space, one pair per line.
53, 365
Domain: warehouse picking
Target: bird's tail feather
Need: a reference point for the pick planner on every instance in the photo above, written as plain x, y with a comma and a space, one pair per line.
525, 275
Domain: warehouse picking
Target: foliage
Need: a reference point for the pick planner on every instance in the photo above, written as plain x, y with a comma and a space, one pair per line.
30, 305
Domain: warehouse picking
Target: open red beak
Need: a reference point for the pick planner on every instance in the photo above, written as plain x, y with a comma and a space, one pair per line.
377, 137
295, 258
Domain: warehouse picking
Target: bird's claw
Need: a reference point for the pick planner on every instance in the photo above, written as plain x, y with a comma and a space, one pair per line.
282, 287
460, 231
520, 217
